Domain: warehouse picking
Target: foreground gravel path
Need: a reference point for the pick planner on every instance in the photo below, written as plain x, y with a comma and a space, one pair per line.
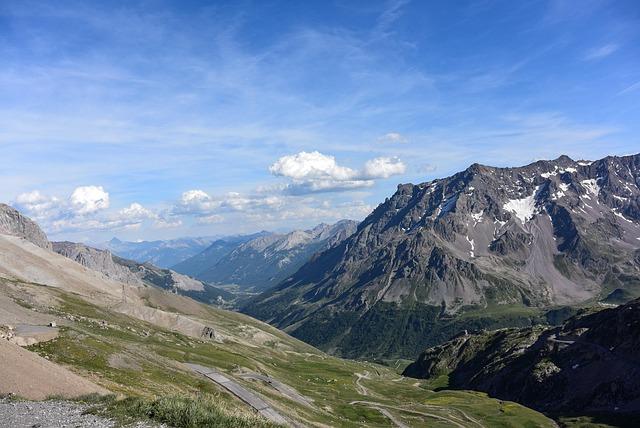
52, 414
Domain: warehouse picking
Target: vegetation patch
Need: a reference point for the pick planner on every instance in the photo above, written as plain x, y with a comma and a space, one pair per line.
179, 411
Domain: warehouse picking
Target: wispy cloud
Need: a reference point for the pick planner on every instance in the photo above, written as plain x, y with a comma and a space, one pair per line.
601, 52
630, 88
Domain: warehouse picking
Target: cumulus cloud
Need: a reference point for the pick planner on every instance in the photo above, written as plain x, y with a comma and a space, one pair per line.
135, 211
392, 137
314, 165
89, 199
206, 208
196, 201
383, 167
38, 205
316, 172
83, 210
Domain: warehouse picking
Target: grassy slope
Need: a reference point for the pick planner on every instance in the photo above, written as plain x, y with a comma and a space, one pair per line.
137, 359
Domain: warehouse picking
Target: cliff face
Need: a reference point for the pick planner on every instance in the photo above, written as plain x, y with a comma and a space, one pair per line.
14, 223
98, 260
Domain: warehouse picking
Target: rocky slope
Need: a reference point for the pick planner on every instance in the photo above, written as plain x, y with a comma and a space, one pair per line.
15, 224
266, 260
550, 233
134, 273
160, 253
588, 365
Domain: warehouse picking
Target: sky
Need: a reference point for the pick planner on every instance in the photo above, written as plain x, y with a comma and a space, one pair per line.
159, 119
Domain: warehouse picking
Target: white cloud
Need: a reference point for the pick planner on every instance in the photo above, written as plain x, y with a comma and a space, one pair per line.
316, 172
196, 201
89, 199
392, 137
601, 52
314, 165
383, 167
167, 223
211, 219
135, 211
82, 210
200, 203
38, 205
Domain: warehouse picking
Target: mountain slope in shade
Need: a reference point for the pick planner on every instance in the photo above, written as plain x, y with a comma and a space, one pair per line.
134, 273
266, 260
486, 239
195, 265
160, 253
15, 224
590, 364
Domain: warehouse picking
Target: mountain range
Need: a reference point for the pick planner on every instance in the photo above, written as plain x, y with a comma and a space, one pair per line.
258, 262
151, 357
211, 255
161, 253
487, 247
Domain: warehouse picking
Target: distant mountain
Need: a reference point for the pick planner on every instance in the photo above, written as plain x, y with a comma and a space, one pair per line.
160, 253
15, 224
589, 365
266, 260
485, 248
203, 261
135, 273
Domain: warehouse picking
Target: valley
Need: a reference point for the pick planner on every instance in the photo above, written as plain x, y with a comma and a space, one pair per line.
137, 341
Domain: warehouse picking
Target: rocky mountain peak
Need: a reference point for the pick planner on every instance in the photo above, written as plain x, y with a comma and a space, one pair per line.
553, 232
16, 224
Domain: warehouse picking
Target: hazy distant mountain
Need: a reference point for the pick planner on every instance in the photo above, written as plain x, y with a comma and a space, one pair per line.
135, 273
474, 249
160, 253
195, 265
264, 261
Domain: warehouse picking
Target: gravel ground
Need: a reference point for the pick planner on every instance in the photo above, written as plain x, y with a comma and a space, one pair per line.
53, 414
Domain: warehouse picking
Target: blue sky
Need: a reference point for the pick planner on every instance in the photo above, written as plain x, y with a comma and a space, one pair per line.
159, 119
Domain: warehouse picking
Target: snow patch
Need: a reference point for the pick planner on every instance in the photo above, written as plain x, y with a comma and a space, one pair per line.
523, 208
477, 217
473, 247
619, 214
591, 186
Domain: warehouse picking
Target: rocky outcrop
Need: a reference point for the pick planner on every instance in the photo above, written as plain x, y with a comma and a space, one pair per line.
551, 233
98, 260
15, 224
590, 364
